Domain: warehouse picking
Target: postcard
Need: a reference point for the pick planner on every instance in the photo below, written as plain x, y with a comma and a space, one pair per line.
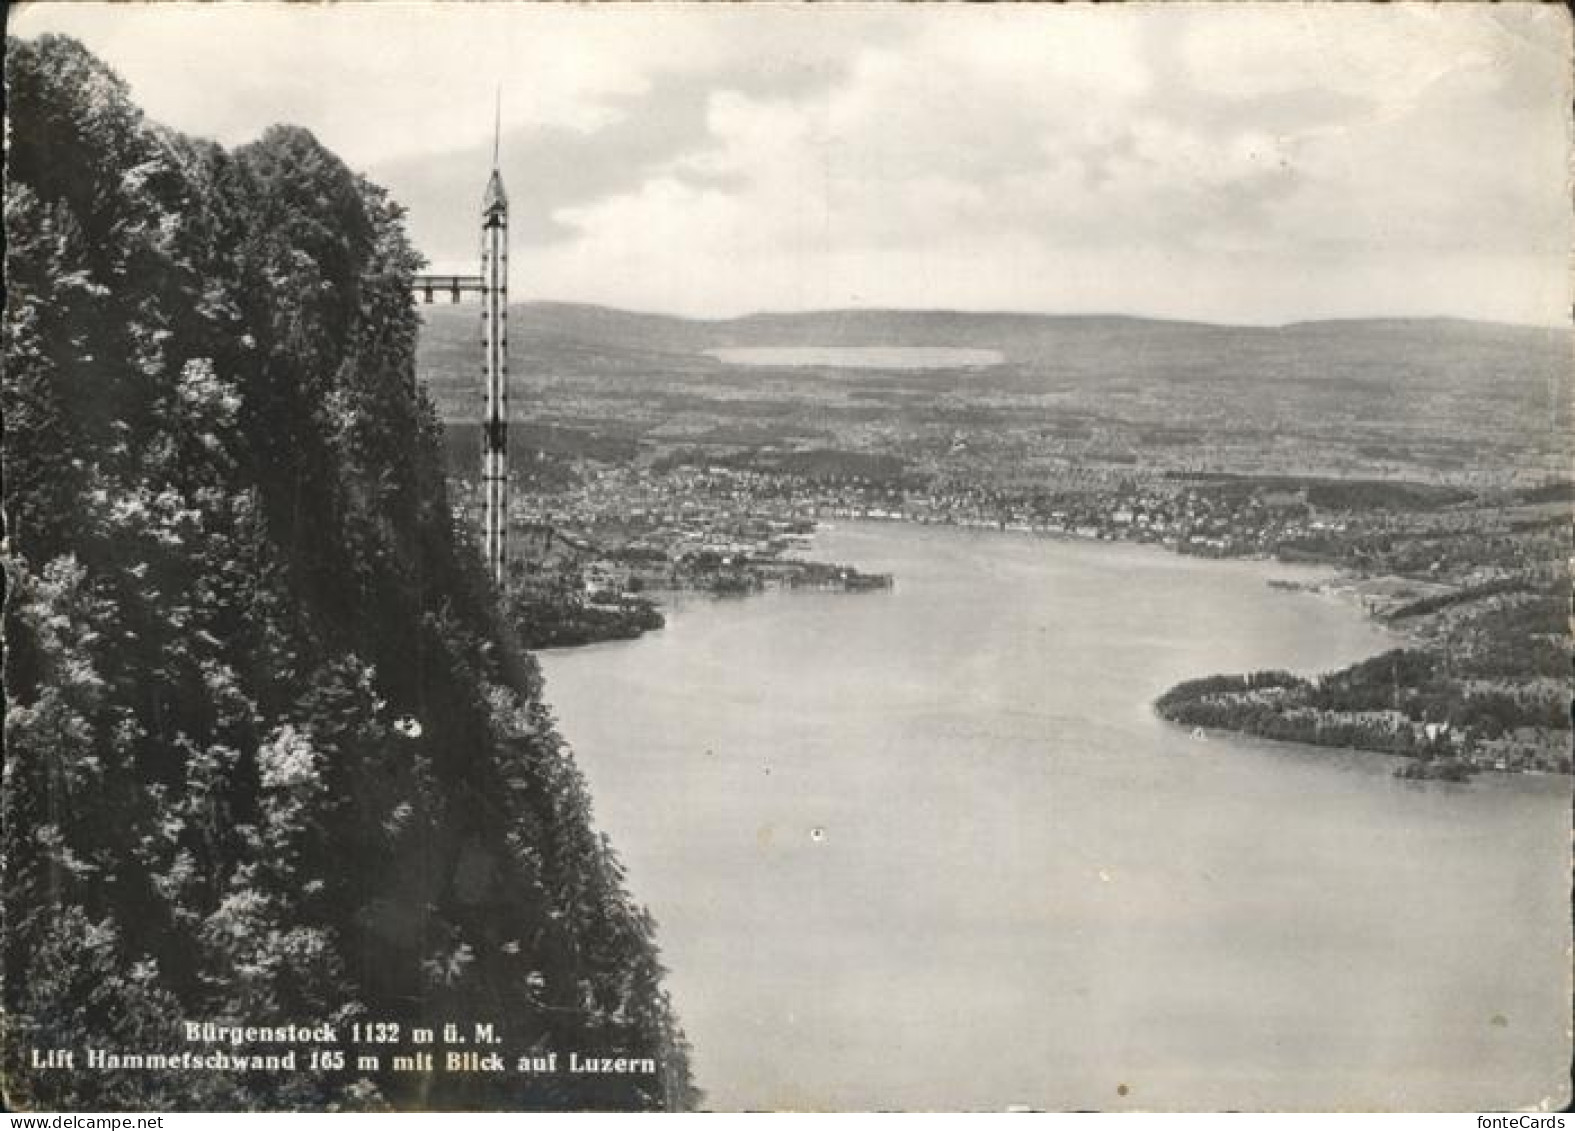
787, 557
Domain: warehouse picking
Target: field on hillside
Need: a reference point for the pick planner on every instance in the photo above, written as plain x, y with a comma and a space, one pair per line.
1427, 400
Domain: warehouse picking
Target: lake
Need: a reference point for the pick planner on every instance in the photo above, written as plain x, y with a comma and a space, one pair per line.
860, 357
930, 848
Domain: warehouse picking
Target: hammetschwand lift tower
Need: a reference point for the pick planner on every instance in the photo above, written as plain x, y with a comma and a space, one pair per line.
493, 286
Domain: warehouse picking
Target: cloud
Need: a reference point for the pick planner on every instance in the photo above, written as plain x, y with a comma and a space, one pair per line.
551, 170
1246, 162
1261, 164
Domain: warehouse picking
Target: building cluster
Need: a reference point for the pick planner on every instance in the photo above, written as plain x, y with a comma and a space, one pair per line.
683, 512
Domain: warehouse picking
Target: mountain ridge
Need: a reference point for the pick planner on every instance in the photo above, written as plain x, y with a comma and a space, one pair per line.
1021, 316
1378, 397
1022, 336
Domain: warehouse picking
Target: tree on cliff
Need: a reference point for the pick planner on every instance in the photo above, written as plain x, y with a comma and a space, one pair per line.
232, 570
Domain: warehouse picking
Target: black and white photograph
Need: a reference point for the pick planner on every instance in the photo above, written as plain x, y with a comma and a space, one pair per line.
787, 557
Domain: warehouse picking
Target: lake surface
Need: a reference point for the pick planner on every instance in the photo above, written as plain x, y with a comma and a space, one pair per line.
931, 849
860, 357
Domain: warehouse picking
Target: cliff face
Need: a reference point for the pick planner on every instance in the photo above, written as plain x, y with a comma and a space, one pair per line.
271, 757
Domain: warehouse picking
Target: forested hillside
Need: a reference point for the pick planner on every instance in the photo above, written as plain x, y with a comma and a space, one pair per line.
271, 756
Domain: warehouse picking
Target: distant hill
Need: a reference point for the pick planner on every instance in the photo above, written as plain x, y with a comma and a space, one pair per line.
1384, 349
602, 325
1434, 393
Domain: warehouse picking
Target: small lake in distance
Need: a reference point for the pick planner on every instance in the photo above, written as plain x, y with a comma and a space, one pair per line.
859, 357
931, 848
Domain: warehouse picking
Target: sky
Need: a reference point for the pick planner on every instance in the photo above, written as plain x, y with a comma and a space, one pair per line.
1227, 162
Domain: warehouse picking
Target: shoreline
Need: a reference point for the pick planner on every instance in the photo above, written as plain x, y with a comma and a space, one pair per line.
1331, 581
1314, 750
1345, 586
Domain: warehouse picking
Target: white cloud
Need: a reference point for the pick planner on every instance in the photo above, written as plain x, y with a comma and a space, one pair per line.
373, 80
1252, 162
1386, 53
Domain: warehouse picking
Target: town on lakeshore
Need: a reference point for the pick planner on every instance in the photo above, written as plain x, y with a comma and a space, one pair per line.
646, 470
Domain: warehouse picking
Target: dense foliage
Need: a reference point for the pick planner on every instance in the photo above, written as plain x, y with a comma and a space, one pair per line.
1487, 689
271, 754
566, 620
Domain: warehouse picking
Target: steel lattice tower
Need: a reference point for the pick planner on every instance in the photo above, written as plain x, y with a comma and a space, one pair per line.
493, 287
495, 371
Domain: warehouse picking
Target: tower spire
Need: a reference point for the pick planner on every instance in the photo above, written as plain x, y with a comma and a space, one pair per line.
495, 200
